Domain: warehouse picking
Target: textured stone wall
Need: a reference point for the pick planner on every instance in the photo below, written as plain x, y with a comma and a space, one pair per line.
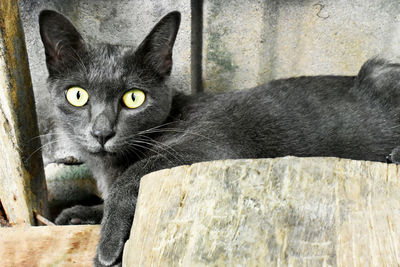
250, 42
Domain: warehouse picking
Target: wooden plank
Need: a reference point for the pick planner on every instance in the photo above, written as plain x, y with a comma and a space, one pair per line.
22, 184
268, 212
48, 246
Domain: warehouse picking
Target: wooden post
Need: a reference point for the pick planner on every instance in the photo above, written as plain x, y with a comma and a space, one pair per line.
22, 184
72, 245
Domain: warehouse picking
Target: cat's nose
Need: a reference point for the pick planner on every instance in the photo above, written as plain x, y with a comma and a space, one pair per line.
103, 136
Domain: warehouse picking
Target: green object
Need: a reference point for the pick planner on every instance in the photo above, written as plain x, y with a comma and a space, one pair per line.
69, 183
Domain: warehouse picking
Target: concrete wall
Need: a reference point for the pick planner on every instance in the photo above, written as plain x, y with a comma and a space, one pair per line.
245, 43
250, 42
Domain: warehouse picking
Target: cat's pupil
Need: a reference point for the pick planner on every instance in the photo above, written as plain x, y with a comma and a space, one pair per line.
133, 97
78, 95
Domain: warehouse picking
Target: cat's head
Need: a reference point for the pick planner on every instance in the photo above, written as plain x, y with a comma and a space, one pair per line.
106, 94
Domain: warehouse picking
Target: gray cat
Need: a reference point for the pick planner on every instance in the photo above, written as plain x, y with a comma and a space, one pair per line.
113, 104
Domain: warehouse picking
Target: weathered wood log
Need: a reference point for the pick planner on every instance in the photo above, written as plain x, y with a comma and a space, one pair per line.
48, 246
268, 212
22, 184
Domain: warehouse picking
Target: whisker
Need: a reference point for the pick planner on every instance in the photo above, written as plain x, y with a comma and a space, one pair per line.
161, 146
152, 150
45, 135
43, 146
179, 131
156, 127
126, 148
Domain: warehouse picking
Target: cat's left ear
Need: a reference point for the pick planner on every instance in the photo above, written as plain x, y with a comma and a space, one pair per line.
156, 49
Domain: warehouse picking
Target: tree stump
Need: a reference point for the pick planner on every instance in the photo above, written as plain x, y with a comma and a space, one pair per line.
268, 212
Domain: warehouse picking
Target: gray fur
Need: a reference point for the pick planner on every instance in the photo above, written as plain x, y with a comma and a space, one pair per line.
349, 117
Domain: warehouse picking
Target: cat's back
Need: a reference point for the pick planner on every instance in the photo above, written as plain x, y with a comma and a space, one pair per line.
284, 117
293, 93
273, 109
322, 88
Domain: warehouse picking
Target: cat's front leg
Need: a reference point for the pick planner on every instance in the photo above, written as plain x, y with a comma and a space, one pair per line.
119, 209
80, 215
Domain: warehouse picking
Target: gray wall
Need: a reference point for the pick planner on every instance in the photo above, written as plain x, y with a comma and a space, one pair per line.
245, 43
250, 42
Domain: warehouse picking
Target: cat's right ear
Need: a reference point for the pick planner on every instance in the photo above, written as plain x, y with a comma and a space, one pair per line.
61, 40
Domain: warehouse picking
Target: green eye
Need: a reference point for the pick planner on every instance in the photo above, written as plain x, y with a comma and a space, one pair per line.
77, 96
134, 98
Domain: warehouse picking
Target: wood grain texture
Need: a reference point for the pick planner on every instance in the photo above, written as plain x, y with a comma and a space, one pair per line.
22, 184
268, 212
73, 246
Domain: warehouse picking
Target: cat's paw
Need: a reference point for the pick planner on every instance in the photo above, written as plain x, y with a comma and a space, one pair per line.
98, 264
115, 229
114, 233
80, 215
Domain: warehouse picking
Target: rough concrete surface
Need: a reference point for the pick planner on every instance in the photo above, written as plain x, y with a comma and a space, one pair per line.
247, 43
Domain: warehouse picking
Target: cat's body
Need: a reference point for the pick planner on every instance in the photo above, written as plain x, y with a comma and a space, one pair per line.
350, 117
329, 119
305, 116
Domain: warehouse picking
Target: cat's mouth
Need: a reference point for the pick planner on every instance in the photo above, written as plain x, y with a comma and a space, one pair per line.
97, 150
100, 151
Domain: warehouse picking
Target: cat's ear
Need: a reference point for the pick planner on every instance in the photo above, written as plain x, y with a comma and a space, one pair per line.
61, 40
156, 49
